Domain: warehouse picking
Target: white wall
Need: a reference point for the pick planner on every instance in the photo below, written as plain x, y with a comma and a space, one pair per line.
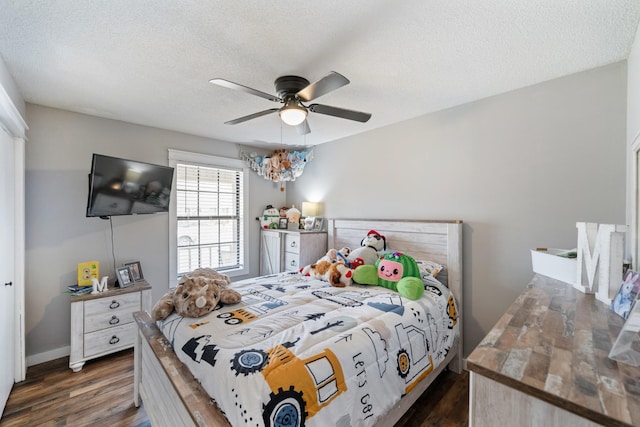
633, 134
59, 236
520, 169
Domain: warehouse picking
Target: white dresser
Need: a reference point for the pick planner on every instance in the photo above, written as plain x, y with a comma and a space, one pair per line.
102, 324
289, 250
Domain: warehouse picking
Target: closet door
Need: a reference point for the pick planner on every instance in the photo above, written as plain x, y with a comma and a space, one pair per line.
7, 239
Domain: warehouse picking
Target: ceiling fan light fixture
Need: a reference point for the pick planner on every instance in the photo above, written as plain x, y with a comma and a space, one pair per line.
293, 113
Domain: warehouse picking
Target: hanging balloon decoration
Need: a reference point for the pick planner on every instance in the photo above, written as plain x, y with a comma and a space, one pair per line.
281, 166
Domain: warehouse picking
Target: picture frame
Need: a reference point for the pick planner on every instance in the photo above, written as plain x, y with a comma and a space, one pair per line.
124, 277
626, 296
283, 223
136, 270
318, 223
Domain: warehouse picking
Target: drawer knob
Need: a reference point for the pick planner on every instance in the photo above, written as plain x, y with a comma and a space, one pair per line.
114, 304
293, 263
114, 340
114, 320
293, 244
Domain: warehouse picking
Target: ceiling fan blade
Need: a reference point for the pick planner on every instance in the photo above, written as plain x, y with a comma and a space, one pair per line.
303, 128
251, 116
236, 86
331, 81
343, 113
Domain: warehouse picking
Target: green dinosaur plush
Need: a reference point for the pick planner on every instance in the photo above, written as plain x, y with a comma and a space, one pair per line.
395, 271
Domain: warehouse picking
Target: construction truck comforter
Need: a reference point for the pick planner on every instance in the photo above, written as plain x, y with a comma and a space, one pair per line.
297, 351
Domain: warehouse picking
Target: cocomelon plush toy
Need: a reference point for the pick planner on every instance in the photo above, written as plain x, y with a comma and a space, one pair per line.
395, 271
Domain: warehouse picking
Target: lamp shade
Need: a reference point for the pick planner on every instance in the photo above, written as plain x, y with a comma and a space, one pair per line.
310, 209
292, 113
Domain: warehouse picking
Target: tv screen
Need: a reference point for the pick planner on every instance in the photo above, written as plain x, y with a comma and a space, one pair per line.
127, 187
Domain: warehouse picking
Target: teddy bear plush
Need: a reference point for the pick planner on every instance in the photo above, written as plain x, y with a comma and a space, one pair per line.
336, 273
395, 271
369, 250
335, 255
197, 294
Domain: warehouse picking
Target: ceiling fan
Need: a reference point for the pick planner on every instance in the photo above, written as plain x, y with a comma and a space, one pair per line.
292, 92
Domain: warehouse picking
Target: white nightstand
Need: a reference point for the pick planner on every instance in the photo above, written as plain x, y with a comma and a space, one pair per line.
102, 324
290, 250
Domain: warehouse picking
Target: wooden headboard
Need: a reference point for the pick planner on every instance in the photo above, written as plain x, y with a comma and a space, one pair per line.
438, 241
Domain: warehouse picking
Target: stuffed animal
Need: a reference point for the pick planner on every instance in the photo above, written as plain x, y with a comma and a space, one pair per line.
336, 273
395, 271
369, 250
274, 168
197, 294
335, 255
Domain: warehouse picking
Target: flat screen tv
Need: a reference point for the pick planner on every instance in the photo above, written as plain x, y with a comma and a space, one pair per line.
127, 187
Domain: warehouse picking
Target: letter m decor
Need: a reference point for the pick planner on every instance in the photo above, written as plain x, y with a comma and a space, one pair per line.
600, 248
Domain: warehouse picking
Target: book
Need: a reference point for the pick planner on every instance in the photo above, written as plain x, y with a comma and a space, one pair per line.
78, 290
87, 271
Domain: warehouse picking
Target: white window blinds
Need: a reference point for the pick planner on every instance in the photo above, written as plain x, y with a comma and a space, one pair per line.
210, 217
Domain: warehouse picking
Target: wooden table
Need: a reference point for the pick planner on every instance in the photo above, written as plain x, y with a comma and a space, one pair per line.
545, 363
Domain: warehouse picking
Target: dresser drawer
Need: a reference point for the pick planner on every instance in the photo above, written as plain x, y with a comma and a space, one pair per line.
292, 243
291, 261
109, 340
109, 312
96, 321
126, 302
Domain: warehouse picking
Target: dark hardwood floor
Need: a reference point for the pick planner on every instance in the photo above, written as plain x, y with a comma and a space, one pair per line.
101, 394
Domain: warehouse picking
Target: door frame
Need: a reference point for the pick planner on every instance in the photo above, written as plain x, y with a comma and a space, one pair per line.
12, 121
635, 202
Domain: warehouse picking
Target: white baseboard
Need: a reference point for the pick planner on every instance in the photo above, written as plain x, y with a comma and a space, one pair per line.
36, 359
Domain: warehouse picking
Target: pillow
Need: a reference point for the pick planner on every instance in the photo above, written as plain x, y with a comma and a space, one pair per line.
429, 271
430, 267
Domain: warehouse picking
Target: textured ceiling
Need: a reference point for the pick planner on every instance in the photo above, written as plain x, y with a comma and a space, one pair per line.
149, 62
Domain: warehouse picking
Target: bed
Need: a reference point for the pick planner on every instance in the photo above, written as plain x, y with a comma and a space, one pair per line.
350, 350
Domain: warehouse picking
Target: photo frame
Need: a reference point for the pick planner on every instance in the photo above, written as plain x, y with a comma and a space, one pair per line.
318, 223
626, 296
124, 277
136, 270
283, 223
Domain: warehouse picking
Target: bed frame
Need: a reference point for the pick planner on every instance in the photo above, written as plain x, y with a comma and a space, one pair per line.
173, 397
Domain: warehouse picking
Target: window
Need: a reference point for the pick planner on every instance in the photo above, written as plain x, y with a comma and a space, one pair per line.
207, 216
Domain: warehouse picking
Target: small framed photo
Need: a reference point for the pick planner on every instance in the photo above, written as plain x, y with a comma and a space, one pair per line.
124, 277
283, 223
136, 270
627, 294
318, 223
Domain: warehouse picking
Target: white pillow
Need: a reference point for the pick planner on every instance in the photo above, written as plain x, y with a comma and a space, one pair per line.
429, 271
